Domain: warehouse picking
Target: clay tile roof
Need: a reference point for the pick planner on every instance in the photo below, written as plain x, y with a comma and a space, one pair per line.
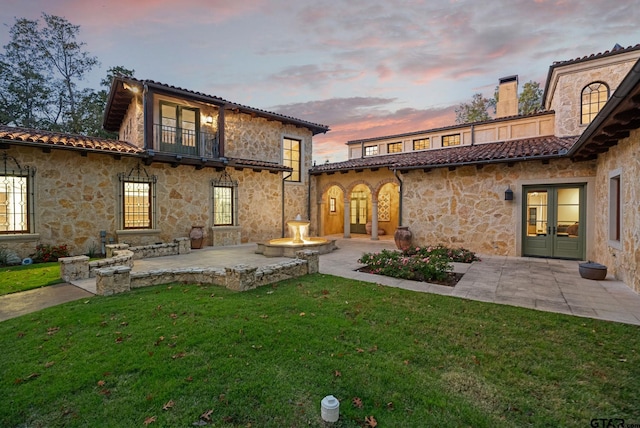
504, 151
617, 49
256, 164
62, 140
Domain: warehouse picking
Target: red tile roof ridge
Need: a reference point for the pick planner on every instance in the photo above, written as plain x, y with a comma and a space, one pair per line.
614, 51
500, 151
55, 138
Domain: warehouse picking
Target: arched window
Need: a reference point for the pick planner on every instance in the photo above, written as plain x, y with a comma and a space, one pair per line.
594, 97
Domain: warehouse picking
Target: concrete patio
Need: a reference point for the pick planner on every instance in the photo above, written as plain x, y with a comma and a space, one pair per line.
542, 284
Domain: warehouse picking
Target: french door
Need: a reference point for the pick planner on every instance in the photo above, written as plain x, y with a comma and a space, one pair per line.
358, 212
553, 221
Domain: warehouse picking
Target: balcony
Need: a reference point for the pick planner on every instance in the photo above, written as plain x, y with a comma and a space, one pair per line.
186, 141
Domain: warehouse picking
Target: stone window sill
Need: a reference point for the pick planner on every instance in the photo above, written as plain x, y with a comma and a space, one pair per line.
20, 237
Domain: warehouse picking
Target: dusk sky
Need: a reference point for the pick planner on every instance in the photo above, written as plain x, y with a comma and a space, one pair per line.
365, 68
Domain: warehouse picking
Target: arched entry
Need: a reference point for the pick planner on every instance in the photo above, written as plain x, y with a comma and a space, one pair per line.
359, 209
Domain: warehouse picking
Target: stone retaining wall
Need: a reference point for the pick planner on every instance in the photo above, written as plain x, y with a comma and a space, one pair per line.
178, 246
120, 279
79, 267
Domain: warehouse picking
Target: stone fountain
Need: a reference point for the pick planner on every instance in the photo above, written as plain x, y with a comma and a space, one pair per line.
299, 240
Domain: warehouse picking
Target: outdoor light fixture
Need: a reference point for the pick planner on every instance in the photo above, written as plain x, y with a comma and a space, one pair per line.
128, 87
508, 194
209, 119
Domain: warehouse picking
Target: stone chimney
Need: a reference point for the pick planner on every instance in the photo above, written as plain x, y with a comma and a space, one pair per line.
507, 97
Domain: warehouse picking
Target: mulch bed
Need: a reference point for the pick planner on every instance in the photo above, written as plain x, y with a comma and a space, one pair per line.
451, 281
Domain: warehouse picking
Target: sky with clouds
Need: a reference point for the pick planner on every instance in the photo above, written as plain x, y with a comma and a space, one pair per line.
365, 68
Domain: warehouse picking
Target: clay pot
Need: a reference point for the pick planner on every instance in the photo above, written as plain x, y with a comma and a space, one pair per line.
403, 237
367, 227
197, 237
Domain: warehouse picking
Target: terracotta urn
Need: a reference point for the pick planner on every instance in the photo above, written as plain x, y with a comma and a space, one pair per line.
403, 236
197, 237
367, 227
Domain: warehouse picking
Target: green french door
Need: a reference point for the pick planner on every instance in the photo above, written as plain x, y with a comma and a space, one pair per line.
358, 212
553, 221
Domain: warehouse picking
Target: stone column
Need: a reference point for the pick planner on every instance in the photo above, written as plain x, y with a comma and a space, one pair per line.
347, 218
374, 218
321, 213
110, 248
312, 258
184, 245
113, 280
72, 268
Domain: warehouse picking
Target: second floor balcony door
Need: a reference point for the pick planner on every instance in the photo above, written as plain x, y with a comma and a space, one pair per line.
179, 129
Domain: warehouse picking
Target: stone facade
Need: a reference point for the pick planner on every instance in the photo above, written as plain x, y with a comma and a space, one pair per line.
466, 207
622, 258
76, 197
569, 81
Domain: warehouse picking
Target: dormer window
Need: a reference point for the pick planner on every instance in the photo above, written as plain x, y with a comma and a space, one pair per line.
394, 147
594, 97
451, 140
371, 150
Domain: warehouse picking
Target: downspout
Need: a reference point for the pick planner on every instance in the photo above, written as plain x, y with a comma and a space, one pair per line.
473, 136
309, 195
283, 181
395, 172
146, 132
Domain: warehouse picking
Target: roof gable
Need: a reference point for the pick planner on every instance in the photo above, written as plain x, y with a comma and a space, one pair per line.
120, 97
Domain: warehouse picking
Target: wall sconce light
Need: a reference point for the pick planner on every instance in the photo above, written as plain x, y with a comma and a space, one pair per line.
128, 87
508, 194
208, 119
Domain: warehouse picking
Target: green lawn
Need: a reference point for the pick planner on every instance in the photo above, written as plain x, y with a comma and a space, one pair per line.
22, 278
179, 355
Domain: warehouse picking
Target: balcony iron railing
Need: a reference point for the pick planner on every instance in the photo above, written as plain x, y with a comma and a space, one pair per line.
186, 141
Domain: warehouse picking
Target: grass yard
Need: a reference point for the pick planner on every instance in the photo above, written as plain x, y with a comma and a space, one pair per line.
14, 278
183, 355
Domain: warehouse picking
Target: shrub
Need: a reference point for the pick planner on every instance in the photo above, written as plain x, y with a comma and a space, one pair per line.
399, 265
418, 263
459, 255
49, 253
4, 255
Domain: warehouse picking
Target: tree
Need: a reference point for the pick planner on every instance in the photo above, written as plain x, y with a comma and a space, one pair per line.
530, 99
475, 111
26, 95
39, 74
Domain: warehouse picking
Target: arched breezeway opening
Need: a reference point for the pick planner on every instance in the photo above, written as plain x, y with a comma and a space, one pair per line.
359, 207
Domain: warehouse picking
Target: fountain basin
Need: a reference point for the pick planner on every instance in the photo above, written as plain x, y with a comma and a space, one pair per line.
285, 247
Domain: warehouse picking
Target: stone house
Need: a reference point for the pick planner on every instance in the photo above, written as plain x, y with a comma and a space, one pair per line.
563, 183
182, 159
